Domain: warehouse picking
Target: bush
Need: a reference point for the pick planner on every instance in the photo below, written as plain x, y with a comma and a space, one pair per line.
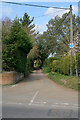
56, 66
46, 69
65, 65
62, 65
49, 62
78, 62
9, 58
18, 46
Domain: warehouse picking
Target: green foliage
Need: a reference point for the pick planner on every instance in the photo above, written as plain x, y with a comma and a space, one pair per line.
37, 63
26, 20
46, 69
9, 57
32, 56
65, 65
21, 61
19, 36
56, 77
62, 65
48, 64
29, 66
56, 66
78, 62
57, 37
18, 46
6, 26
68, 81
28, 26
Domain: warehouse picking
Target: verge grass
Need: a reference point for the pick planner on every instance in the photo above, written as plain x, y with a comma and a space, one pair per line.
68, 81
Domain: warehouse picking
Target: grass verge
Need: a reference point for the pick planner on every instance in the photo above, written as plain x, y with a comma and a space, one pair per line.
68, 81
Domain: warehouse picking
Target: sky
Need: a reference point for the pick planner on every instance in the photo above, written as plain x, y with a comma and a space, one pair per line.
41, 15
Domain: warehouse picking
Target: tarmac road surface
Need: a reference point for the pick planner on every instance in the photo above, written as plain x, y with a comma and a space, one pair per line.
39, 97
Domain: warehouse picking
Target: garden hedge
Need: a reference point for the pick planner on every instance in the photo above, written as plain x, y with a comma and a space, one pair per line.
62, 65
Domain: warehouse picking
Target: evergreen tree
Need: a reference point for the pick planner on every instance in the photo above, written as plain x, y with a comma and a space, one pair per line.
28, 26
18, 46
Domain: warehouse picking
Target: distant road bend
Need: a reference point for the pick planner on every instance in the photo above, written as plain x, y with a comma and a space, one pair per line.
39, 97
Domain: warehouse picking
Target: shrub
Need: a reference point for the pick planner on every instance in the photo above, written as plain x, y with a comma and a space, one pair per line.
62, 65
78, 62
49, 62
65, 65
46, 69
56, 66
18, 46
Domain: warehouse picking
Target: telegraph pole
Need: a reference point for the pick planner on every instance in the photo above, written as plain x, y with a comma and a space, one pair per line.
75, 64
71, 39
71, 42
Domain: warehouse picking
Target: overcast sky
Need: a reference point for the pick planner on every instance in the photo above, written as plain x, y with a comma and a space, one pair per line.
42, 15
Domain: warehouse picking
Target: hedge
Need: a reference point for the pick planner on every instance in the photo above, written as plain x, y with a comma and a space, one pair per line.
62, 65
17, 48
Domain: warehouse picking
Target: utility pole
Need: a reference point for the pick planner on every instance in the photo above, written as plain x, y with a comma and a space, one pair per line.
71, 39
75, 64
71, 42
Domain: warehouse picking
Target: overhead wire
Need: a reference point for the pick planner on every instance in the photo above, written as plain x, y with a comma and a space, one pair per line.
42, 7
61, 31
47, 14
34, 5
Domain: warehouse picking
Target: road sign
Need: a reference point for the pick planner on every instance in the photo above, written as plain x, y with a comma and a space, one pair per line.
71, 45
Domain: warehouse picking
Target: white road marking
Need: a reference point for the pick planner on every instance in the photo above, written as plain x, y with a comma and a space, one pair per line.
62, 107
65, 103
14, 103
13, 86
58, 106
40, 102
61, 103
33, 98
56, 103
36, 104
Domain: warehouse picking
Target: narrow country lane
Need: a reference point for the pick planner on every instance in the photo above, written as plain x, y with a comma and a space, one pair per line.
39, 97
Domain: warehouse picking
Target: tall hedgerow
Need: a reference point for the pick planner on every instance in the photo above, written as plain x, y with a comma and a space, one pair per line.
18, 46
